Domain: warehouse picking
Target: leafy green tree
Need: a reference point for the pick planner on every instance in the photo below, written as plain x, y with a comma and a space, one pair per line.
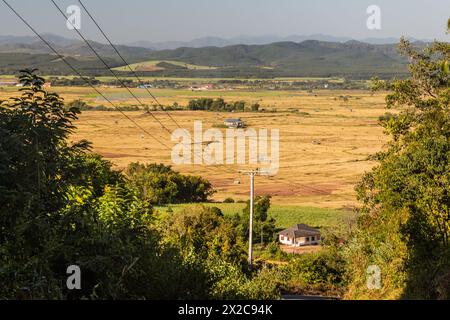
263, 226
404, 225
204, 231
34, 159
159, 184
228, 200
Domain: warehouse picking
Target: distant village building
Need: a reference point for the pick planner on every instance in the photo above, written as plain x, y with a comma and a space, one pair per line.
234, 123
205, 87
300, 235
145, 86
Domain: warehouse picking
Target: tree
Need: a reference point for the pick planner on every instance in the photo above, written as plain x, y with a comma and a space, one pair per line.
264, 228
159, 184
404, 224
255, 107
34, 159
205, 232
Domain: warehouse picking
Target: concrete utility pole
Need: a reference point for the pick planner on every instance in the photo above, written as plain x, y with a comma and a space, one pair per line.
252, 174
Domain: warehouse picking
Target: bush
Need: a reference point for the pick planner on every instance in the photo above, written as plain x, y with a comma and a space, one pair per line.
159, 185
320, 273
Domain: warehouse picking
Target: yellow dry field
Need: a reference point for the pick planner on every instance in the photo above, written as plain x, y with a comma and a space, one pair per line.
323, 146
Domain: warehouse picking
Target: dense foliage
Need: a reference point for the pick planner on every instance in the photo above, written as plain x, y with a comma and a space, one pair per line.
263, 225
208, 104
404, 226
159, 184
62, 206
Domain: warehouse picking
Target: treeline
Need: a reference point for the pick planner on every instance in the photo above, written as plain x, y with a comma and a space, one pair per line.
73, 82
219, 104
83, 106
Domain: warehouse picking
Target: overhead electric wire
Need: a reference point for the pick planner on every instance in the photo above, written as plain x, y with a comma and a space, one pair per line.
115, 75
126, 63
131, 69
62, 58
109, 68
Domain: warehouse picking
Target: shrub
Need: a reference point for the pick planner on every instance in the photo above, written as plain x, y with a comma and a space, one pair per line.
159, 185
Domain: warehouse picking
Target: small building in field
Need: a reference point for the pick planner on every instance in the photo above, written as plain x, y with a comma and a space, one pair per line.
234, 123
205, 87
299, 235
145, 86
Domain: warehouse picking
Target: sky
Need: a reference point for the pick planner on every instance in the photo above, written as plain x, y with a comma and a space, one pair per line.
126, 21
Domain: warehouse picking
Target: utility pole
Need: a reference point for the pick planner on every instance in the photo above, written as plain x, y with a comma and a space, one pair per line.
252, 174
250, 226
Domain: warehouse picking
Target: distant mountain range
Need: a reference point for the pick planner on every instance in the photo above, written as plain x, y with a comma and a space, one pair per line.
71, 47
203, 42
254, 40
293, 57
307, 58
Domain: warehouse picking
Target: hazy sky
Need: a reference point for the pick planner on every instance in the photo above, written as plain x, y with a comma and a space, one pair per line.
162, 20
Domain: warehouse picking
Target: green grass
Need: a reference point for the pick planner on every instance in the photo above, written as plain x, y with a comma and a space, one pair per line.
284, 215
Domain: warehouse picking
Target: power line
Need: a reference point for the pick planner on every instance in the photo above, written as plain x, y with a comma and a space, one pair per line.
108, 67
126, 63
133, 72
115, 75
62, 58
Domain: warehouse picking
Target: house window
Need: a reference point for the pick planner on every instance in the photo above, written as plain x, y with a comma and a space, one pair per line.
282, 237
307, 239
312, 239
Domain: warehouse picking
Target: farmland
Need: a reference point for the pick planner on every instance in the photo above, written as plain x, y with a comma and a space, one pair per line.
155, 65
325, 139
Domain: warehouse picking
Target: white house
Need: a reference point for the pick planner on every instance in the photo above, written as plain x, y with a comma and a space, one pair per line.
299, 235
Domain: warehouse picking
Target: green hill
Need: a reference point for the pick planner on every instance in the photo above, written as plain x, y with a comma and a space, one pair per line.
308, 58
